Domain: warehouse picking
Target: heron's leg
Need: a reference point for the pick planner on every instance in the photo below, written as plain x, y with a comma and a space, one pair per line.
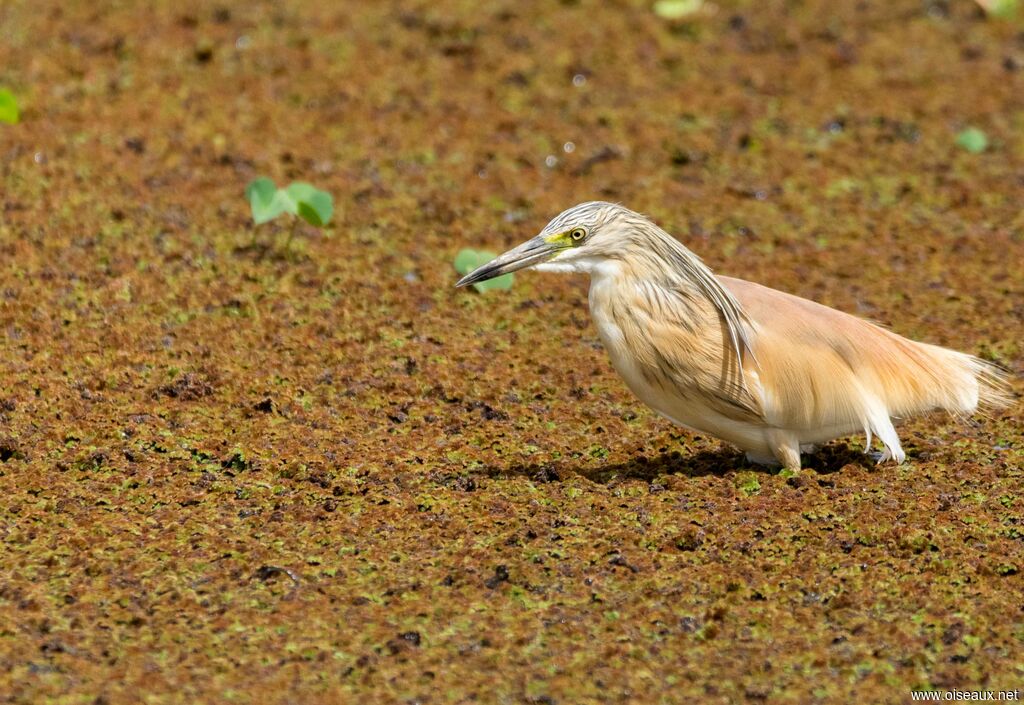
887, 434
786, 447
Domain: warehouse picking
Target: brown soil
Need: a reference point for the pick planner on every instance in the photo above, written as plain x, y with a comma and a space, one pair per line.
236, 473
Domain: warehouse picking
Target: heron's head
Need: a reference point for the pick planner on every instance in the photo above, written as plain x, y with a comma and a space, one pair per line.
579, 239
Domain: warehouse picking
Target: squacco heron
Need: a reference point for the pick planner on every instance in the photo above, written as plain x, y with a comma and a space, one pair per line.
767, 371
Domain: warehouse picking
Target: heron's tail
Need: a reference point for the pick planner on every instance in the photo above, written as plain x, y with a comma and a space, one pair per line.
901, 378
917, 377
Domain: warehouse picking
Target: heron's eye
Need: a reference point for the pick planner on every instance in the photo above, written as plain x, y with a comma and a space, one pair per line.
577, 234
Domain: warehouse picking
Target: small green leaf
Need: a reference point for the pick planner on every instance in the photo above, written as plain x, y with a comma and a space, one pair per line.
1003, 9
677, 9
291, 196
263, 200
311, 215
316, 207
467, 260
8, 107
504, 282
307, 202
973, 140
298, 191
287, 201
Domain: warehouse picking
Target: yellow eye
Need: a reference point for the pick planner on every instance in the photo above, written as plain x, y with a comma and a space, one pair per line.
577, 234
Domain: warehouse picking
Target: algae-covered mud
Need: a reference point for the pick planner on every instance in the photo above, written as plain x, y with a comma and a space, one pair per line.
233, 471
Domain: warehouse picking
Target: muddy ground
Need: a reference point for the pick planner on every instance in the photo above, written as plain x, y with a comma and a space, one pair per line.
233, 472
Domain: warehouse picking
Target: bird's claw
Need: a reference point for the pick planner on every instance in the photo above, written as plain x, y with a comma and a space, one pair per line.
887, 455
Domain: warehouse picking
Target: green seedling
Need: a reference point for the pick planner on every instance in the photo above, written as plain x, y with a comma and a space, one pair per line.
467, 260
299, 199
973, 140
9, 107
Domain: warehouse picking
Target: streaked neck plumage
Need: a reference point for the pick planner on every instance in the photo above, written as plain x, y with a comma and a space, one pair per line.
636, 249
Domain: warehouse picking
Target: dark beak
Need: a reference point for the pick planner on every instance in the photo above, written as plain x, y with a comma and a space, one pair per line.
528, 254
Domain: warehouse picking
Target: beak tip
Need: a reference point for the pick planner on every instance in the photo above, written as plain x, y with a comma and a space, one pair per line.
526, 255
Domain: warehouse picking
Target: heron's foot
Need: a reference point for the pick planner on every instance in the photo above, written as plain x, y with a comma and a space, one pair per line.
886, 455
